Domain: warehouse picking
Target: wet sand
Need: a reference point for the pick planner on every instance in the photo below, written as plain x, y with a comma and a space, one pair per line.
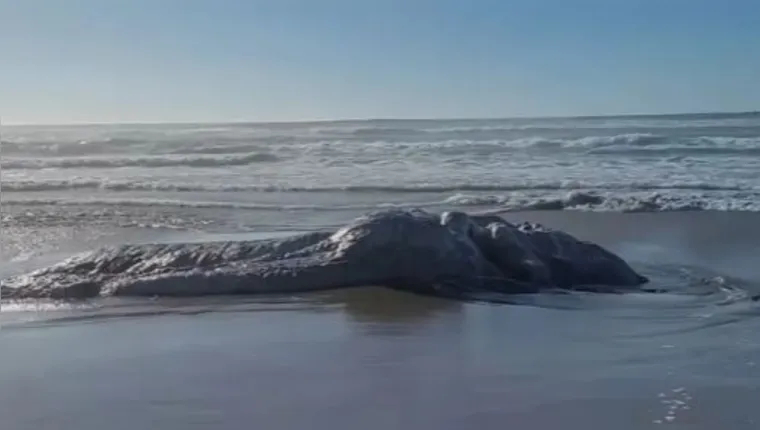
376, 359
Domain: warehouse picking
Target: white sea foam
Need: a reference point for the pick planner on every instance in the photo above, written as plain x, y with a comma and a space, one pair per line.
183, 186
575, 200
665, 163
478, 140
155, 203
154, 161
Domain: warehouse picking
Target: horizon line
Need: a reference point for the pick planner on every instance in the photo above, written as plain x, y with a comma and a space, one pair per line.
380, 119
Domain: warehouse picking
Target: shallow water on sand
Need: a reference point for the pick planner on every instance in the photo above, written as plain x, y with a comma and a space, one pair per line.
687, 358
374, 359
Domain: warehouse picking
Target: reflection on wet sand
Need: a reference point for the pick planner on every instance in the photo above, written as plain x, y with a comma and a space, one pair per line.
364, 307
377, 305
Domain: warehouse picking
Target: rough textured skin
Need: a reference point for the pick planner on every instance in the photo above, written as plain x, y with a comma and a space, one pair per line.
450, 254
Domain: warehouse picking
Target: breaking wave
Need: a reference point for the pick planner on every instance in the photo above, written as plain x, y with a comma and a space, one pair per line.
150, 203
150, 162
242, 150
615, 202
574, 200
115, 185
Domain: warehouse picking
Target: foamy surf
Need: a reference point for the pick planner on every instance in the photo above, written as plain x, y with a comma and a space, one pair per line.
656, 201
78, 183
144, 162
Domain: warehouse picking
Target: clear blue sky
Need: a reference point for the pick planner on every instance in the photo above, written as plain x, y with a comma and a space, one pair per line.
228, 60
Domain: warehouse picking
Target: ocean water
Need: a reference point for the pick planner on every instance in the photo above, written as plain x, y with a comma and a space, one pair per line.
675, 195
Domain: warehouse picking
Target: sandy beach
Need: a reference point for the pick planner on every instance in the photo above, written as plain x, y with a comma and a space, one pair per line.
378, 359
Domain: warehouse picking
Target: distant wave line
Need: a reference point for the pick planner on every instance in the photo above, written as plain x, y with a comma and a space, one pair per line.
213, 153
577, 200
96, 184
153, 161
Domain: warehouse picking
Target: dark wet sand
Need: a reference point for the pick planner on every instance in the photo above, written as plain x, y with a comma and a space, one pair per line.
376, 359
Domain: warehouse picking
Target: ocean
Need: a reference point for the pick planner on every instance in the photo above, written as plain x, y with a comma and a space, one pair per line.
677, 196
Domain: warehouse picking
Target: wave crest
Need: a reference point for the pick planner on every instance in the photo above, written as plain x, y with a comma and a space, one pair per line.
149, 162
591, 201
115, 185
389, 141
574, 200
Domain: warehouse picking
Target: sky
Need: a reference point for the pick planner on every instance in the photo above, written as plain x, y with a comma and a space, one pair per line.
93, 61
